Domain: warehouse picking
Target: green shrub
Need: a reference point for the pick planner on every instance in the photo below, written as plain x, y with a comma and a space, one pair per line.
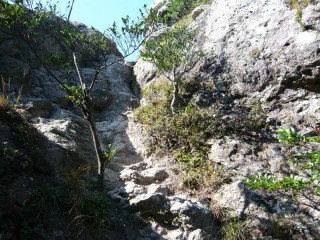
188, 129
299, 4
177, 9
220, 214
59, 61
185, 134
198, 171
236, 229
308, 162
46, 200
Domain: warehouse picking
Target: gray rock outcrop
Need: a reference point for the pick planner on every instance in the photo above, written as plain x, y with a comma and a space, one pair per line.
256, 51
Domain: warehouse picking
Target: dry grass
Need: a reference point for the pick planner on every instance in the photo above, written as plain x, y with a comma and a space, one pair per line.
3, 102
237, 229
299, 5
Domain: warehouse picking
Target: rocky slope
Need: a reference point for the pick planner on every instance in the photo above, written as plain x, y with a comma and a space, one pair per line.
258, 55
53, 142
256, 52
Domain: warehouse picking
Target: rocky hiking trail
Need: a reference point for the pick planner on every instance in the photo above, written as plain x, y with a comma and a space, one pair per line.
140, 184
259, 59
145, 206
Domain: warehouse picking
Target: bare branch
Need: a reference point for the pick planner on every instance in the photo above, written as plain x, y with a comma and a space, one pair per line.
70, 11
106, 65
83, 86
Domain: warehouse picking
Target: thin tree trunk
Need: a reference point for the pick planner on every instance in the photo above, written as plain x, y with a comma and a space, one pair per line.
96, 143
86, 108
70, 11
174, 103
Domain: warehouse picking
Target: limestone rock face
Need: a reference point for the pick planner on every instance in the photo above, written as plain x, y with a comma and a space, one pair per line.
256, 51
59, 139
144, 71
198, 235
135, 184
198, 10
259, 44
311, 17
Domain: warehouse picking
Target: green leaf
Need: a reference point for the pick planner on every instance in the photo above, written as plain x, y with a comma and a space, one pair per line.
288, 135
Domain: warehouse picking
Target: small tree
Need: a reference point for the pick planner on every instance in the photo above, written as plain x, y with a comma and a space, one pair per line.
32, 18
174, 55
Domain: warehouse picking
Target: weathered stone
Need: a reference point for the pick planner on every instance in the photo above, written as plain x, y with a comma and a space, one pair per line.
144, 72
256, 46
176, 235
311, 17
39, 108
190, 215
156, 188
198, 235
138, 166
273, 155
62, 128
129, 174
235, 155
198, 10
152, 204
239, 201
151, 175
134, 189
86, 56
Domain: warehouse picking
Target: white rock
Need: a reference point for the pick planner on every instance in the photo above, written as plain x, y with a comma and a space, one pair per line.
198, 10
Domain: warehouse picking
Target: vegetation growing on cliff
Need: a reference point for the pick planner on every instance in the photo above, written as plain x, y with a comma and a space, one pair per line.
32, 198
177, 9
306, 183
174, 56
299, 5
185, 134
29, 23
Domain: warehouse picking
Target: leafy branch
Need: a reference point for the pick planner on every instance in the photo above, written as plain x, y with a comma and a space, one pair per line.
28, 20
174, 55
